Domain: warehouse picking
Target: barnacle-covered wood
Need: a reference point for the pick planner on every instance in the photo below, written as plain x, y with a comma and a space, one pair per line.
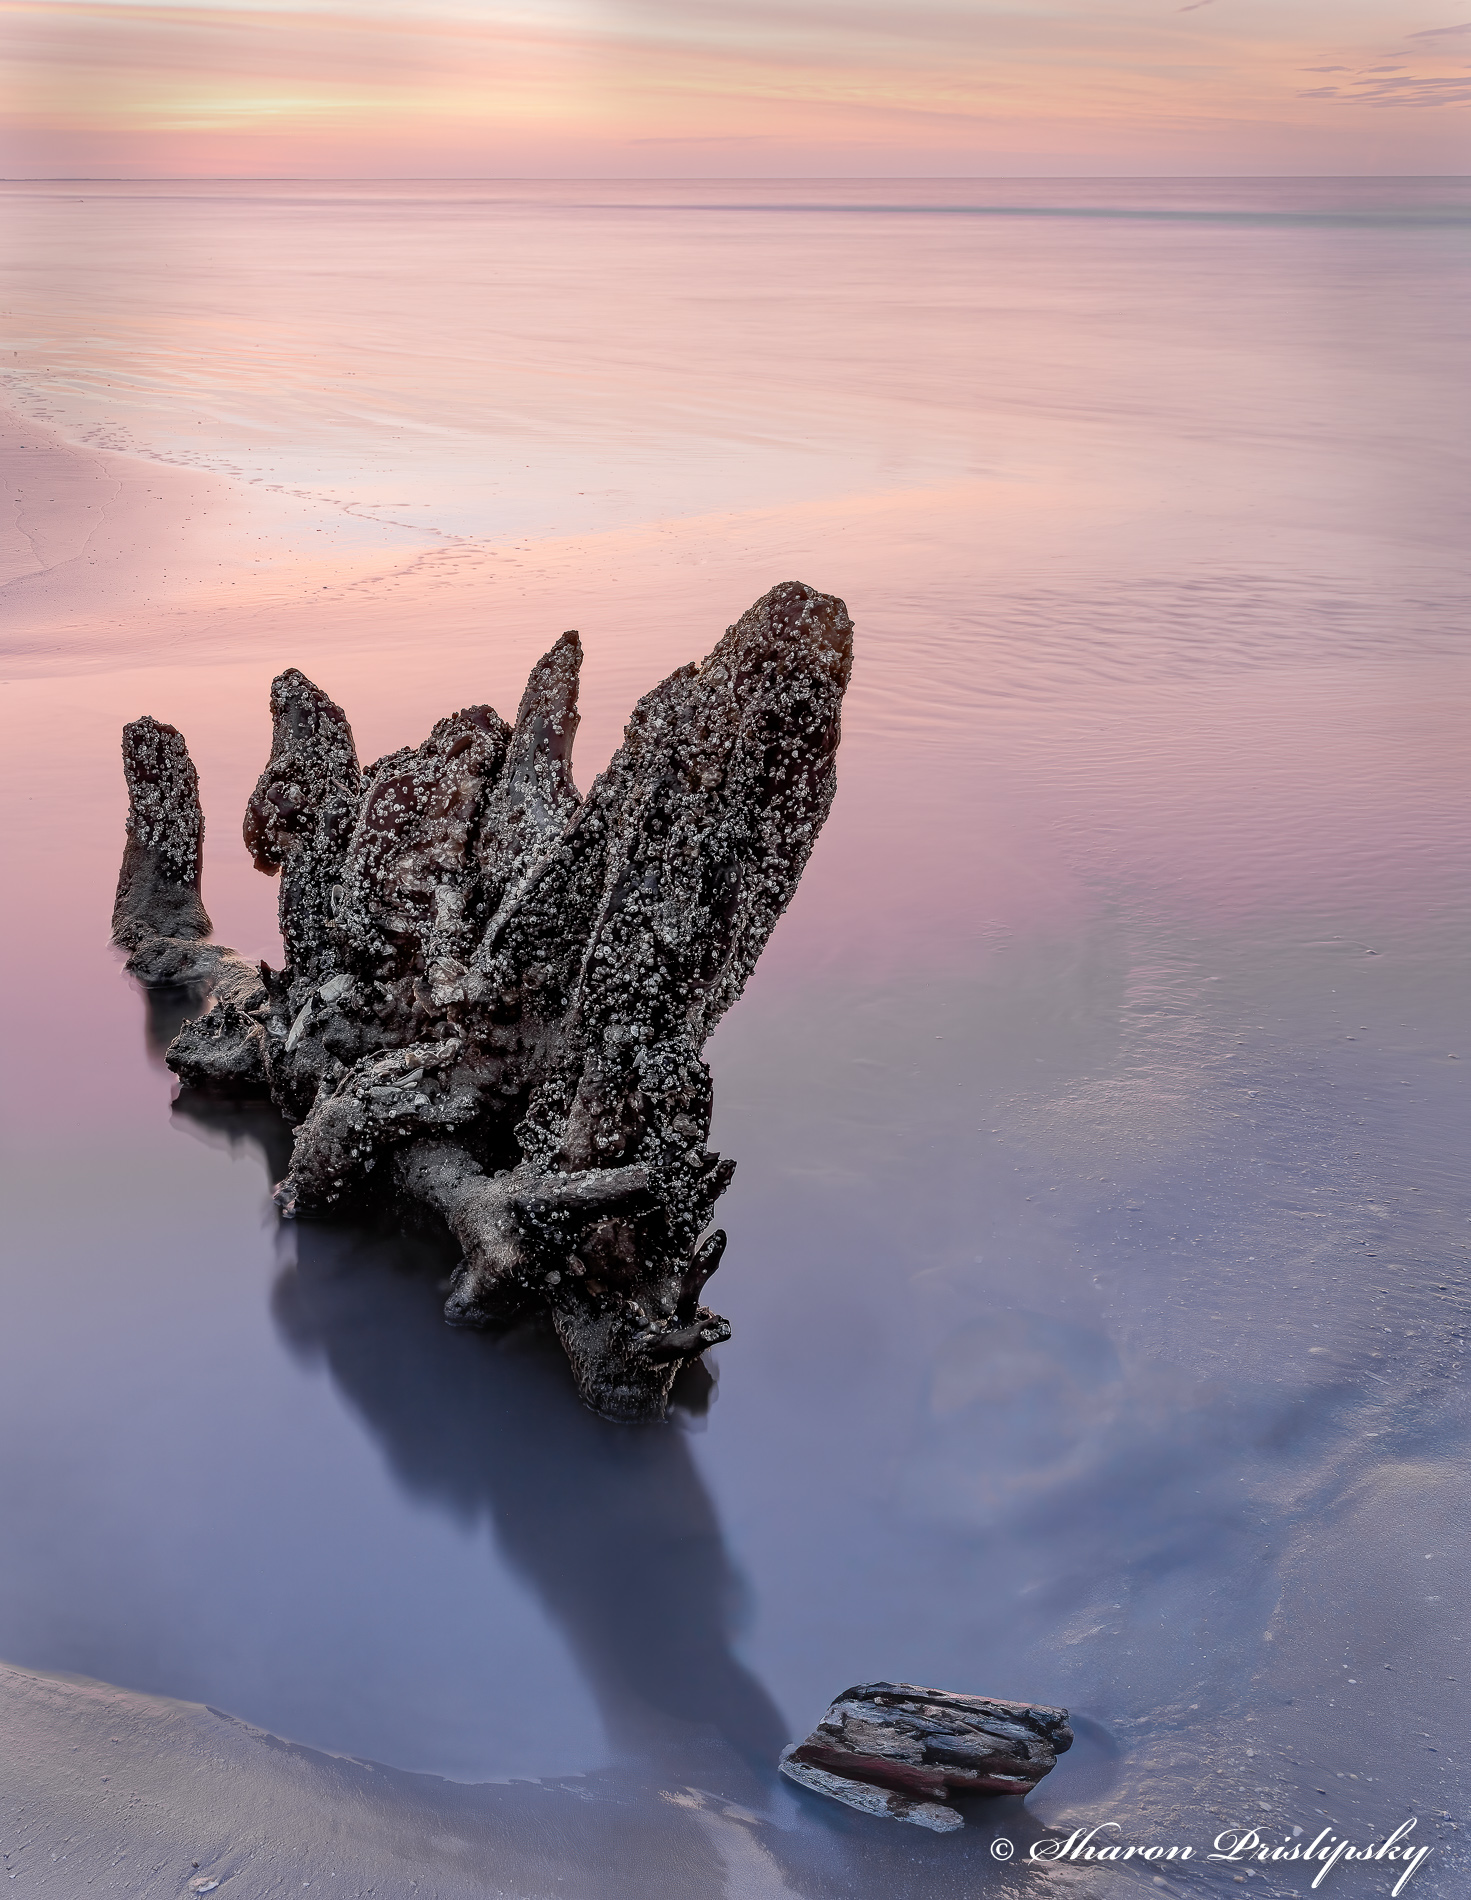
158, 916
300, 815
496, 992
893, 1749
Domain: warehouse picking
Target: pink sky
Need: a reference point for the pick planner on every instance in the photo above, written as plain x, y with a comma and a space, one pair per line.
655, 88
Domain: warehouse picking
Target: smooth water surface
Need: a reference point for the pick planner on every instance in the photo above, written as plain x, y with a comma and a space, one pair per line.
1099, 1238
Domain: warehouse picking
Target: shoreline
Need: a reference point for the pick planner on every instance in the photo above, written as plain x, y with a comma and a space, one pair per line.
129, 1796
112, 558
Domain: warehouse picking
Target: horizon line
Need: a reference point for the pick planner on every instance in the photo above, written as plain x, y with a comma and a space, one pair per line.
704, 178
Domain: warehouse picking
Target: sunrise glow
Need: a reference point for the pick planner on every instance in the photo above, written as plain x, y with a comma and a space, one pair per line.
651, 88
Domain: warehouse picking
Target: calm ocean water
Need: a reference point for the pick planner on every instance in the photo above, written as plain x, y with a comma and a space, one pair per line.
1099, 1239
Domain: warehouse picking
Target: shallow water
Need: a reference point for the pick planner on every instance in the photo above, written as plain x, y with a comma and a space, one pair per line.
1099, 1238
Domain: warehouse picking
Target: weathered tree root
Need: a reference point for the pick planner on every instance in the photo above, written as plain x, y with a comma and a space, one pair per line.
496, 992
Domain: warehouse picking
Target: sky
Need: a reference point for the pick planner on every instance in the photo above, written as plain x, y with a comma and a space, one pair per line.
734, 88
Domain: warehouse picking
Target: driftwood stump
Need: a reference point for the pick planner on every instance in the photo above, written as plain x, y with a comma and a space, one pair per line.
496, 992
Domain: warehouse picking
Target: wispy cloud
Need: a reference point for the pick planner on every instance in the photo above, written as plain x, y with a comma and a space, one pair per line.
1436, 76
1413, 92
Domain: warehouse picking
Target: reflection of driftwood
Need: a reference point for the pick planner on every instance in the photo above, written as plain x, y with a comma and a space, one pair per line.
496, 992
891, 1749
614, 1531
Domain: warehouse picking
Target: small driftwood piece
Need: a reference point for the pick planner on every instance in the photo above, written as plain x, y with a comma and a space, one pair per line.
890, 1749
496, 991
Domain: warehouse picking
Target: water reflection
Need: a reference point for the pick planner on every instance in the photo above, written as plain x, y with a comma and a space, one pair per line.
238, 1124
612, 1526
165, 1011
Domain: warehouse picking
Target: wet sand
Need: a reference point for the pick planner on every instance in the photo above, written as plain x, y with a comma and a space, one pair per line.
120, 1794
96, 541
108, 1792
